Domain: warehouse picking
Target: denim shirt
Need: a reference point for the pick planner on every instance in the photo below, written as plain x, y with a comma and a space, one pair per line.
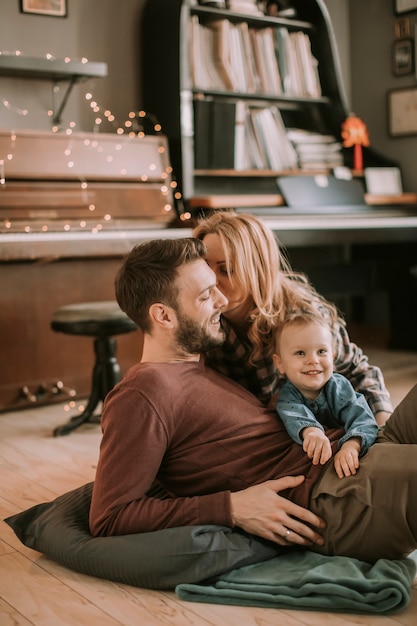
337, 406
232, 359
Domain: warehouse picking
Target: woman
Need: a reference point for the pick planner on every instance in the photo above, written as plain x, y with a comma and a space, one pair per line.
261, 288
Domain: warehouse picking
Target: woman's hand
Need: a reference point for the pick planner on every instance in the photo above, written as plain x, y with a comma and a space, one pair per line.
260, 510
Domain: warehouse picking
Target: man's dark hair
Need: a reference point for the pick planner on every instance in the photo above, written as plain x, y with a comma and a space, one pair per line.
149, 273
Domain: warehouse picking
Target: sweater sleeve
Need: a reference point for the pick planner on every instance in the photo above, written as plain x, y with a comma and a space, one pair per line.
132, 449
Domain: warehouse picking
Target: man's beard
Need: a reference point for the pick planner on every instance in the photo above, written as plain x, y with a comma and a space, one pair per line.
193, 338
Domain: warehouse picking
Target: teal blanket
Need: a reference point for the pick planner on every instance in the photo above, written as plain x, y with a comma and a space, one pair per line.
309, 581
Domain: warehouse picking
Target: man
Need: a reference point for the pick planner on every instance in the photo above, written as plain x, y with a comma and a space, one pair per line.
223, 457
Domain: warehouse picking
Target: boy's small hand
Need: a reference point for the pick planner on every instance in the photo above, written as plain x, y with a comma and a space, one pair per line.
346, 461
316, 445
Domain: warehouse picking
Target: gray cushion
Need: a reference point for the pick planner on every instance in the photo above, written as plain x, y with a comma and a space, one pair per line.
156, 560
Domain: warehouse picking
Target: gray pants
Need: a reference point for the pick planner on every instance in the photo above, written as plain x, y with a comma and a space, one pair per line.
373, 514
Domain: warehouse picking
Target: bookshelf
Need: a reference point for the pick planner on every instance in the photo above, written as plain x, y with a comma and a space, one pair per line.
244, 98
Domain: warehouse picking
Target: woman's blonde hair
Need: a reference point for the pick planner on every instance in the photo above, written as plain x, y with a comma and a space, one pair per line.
257, 265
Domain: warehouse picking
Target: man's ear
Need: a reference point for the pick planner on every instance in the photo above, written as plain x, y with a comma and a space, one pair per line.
278, 363
162, 315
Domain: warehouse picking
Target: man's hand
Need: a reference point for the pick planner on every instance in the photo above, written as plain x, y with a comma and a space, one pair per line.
346, 461
261, 511
316, 445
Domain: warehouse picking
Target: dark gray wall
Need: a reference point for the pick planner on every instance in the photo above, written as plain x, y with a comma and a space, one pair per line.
109, 31
372, 28
99, 30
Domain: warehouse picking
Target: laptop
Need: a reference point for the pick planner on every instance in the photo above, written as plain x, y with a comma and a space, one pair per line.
321, 193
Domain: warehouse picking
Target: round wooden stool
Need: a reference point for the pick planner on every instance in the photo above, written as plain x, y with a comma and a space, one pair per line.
101, 320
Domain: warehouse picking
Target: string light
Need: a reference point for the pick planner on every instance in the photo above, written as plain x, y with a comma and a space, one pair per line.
133, 127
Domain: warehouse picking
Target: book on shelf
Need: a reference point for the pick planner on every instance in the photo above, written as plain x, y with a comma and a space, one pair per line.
256, 150
252, 76
245, 59
202, 133
234, 135
282, 50
265, 60
242, 159
220, 134
237, 58
298, 66
271, 134
307, 65
206, 73
221, 53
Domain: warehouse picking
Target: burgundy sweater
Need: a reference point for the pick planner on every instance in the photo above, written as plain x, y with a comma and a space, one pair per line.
198, 433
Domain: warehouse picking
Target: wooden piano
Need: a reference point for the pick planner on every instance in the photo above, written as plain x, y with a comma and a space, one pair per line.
71, 206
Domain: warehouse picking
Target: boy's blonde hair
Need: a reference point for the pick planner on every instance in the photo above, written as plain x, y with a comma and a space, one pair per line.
303, 318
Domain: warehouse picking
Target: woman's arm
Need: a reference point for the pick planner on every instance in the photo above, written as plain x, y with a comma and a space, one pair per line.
365, 378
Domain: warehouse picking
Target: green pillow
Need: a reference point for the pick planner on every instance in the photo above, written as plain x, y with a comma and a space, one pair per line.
156, 560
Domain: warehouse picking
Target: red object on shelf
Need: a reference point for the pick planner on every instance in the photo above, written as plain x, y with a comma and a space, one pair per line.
355, 134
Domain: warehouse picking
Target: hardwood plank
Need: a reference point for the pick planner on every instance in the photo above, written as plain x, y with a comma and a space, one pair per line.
244, 616
11, 617
43, 599
126, 604
36, 467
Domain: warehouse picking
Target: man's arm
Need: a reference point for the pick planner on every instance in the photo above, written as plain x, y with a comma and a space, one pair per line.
134, 444
132, 450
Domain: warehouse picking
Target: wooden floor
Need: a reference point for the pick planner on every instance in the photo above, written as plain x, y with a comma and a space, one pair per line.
35, 467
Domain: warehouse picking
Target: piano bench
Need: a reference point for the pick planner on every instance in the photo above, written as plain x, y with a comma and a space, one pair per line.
103, 321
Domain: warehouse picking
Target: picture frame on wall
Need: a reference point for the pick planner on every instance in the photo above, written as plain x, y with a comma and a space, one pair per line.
404, 6
403, 56
402, 28
402, 112
55, 8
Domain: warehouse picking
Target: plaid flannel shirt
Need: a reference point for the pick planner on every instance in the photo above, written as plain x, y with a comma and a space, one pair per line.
263, 380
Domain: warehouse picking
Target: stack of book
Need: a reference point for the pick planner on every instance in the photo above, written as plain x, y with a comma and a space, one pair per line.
315, 151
